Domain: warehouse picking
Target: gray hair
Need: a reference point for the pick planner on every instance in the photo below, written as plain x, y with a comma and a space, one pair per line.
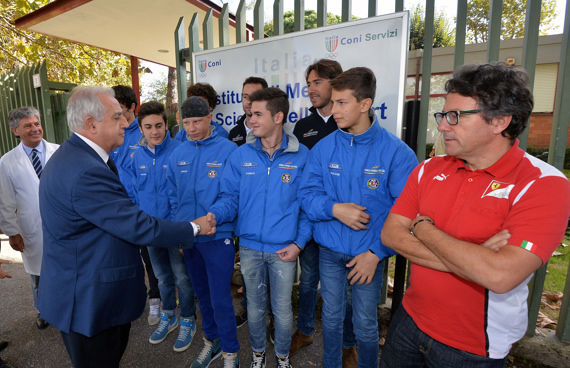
84, 101
21, 113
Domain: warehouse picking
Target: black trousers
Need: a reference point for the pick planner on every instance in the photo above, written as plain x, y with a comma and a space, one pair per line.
153, 292
102, 350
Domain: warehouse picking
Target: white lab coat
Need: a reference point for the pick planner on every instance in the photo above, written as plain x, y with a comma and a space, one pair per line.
19, 203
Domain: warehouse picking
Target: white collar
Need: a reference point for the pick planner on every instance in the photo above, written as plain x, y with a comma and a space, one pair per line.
100, 151
325, 118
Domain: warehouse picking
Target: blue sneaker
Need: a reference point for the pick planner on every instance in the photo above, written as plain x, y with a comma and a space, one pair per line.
186, 334
209, 353
167, 324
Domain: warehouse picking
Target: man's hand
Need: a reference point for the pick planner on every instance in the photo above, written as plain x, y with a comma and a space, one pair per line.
498, 240
3, 273
289, 253
211, 218
205, 226
351, 215
364, 268
17, 242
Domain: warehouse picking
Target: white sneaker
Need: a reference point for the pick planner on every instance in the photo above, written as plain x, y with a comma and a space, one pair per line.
154, 311
258, 360
231, 360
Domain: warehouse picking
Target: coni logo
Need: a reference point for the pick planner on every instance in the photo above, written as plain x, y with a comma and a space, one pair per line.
203, 65
331, 44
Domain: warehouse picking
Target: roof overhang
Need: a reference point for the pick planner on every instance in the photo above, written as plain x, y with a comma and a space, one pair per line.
139, 28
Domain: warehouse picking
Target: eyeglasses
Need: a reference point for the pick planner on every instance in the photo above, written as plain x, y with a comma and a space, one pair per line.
452, 116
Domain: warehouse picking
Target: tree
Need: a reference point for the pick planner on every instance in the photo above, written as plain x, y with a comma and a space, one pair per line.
310, 21
513, 19
66, 61
444, 34
155, 90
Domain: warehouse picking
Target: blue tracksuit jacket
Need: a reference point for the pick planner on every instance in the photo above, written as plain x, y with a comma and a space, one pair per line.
149, 186
262, 193
194, 173
370, 170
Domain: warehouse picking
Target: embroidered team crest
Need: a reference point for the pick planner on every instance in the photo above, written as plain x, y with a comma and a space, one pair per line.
286, 178
212, 174
373, 183
132, 154
498, 190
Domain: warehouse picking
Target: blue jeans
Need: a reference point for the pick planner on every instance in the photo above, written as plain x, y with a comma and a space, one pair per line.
308, 293
257, 267
170, 270
407, 346
365, 300
211, 265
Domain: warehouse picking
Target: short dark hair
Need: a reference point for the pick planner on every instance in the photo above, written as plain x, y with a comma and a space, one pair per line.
276, 100
204, 90
125, 95
360, 80
255, 80
499, 90
151, 108
325, 68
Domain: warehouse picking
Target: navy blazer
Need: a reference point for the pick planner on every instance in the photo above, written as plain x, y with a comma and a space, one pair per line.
92, 276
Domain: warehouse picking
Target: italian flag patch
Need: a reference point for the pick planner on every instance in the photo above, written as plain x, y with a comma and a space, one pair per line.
527, 245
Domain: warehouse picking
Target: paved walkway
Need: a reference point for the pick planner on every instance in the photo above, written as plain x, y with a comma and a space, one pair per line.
30, 347
33, 348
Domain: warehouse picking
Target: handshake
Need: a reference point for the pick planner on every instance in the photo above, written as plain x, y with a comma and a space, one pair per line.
207, 224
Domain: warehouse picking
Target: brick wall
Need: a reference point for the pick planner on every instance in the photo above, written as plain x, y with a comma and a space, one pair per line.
540, 130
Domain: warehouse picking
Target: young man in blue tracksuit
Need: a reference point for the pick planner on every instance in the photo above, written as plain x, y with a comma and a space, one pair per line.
259, 187
208, 93
194, 173
350, 182
149, 189
122, 156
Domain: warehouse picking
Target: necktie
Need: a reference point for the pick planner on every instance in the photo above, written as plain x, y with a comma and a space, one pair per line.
112, 166
36, 162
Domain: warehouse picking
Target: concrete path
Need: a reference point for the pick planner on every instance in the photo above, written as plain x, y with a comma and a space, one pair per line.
33, 348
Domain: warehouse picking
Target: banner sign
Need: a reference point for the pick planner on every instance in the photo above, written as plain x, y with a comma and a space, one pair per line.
379, 43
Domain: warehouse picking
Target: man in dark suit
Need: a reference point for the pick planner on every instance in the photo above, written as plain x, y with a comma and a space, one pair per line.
92, 284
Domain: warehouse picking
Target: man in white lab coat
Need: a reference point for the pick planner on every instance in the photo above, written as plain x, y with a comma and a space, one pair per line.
20, 173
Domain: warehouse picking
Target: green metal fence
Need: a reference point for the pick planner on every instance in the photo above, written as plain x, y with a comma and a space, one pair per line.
29, 86
530, 47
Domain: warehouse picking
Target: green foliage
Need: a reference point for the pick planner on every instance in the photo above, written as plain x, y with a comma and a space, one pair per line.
155, 90
558, 269
310, 21
542, 153
66, 61
443, 35
513, 19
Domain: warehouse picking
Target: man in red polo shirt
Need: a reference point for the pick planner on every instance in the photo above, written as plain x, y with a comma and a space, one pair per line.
475, 223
